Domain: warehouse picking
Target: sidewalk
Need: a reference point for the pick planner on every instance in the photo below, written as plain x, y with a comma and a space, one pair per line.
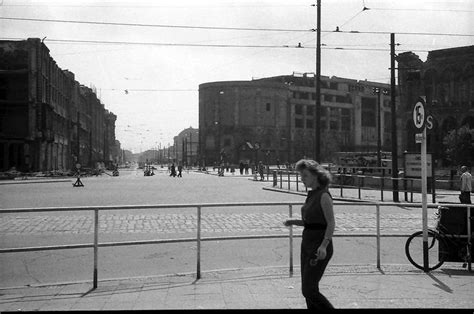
347, 287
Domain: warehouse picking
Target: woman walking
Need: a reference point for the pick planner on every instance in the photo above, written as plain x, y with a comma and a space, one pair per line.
317, 217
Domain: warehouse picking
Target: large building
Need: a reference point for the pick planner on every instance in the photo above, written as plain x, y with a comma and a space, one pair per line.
272, 119
186, 147
446, 79
48, 121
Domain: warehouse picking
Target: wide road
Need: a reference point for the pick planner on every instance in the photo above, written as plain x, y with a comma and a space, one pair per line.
132, 188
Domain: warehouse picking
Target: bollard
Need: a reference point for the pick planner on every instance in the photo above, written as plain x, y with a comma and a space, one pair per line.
274, 178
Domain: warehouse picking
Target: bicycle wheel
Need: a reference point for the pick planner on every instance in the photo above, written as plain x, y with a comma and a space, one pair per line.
414, 250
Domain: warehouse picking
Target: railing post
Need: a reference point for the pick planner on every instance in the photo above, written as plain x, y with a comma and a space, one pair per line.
291, 241
96, 246
296, 181
377, 210
411, 197
198, 239
358, 181
281, 179
405, 187
381, 187
341, 179
289, 181
469, 243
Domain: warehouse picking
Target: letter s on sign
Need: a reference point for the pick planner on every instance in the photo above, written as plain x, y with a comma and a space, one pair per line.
429, 122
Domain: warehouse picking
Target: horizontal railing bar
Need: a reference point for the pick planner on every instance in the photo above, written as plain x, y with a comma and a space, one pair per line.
128, 207
164, 241
158, 206
46, 248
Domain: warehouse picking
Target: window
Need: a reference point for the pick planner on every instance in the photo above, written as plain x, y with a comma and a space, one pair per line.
387, 119
327, 97
369, 110
268, 106
333, 125
298, 123
304, 95
333, 85
345, 119
340, 98
309, 110
298, 109
309, 123
324, 124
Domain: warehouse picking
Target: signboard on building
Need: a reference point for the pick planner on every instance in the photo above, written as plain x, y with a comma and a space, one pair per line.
418, 138
413, 165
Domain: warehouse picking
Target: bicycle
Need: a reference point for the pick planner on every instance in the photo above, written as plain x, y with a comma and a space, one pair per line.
443, 246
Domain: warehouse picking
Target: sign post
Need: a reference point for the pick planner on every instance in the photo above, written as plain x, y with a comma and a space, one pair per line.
419, 119
78, 174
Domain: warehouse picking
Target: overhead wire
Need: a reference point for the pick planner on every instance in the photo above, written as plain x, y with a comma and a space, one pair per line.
324, 46
231, 28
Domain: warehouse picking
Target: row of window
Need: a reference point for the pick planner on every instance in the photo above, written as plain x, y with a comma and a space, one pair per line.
326, 97
343, 124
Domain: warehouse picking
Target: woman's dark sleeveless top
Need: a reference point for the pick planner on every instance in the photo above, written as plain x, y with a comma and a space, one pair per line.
312, 212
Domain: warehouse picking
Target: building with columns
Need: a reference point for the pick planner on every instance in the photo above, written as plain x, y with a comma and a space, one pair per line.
272, 119
446, 79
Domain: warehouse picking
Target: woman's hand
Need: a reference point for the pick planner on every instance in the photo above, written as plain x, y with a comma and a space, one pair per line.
288, 222
321, 253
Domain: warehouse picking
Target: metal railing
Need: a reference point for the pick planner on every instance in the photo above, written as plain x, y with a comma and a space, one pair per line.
95, 245
284, 179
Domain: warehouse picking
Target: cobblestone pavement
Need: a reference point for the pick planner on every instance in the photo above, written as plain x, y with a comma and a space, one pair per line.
186, 223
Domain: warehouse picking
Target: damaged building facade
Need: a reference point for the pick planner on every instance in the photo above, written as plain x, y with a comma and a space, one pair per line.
48, 120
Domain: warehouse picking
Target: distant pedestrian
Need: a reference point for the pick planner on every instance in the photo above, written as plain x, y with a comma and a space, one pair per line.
317, 217
220, 170
241, 168
278, 163
180, 170
246, 167
466, 186
261, 169
173, 171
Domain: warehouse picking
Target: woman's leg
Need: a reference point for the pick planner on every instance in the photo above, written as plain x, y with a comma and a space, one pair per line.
310, 277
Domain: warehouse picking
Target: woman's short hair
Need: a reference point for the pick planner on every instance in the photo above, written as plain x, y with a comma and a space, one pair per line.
324, 176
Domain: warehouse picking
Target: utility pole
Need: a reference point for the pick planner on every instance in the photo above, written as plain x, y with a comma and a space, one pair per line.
379, 128
394, 119
317, 117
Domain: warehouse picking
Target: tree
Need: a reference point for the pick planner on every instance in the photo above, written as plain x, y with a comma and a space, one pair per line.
459, 146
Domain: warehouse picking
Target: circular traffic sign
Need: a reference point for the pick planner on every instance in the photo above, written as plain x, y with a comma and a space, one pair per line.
419, 115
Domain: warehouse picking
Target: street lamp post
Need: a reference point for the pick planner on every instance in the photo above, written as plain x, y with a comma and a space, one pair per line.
379, 92
317, 78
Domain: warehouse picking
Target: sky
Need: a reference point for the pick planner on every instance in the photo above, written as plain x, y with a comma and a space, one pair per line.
147, 58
